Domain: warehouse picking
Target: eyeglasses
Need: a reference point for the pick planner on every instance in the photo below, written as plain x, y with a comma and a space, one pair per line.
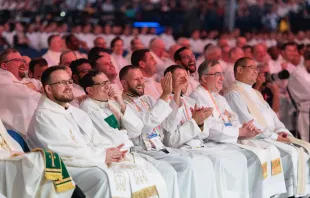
188, 56
63, 82
104, 83
252, 67
16, 59
217, 74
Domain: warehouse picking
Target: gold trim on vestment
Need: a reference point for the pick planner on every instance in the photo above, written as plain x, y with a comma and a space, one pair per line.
146, 192
265, 170
276, 167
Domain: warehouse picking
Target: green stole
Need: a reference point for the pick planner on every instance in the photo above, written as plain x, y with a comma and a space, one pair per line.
112, 121
56, 170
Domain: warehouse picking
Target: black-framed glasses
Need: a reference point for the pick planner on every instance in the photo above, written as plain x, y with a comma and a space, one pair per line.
217, 74
104, 83
16, 59
63, 82
252, 67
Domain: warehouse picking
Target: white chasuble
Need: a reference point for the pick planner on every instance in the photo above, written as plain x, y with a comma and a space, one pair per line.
191, 169
52, 58
181, 131
71, 134
249, 104
17, 102
224, 127
109, 121
298, 85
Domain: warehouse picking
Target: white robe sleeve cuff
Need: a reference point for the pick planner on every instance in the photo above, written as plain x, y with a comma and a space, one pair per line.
274, 136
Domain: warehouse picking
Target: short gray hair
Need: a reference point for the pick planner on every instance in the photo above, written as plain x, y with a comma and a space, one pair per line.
205, 66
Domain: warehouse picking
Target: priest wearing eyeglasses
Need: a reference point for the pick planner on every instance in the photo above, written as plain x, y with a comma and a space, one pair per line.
225, 131
97, 165
18, 101
249, 104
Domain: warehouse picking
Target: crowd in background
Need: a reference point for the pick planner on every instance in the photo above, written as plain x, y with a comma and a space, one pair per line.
182, 15
272, 29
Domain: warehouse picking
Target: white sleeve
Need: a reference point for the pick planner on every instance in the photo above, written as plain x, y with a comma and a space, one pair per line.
131, 122
174, 118
155, 116
217, 130
235, 101
42, 134
177, 134
181, 134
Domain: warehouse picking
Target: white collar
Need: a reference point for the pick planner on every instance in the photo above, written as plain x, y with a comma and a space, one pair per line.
101, 104
46, 103
244, 85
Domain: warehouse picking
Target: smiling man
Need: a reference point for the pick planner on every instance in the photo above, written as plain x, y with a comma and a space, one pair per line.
249, 104
17, 102
145, 61
185, 57
225, 128
187, 128
92, 160
195, 176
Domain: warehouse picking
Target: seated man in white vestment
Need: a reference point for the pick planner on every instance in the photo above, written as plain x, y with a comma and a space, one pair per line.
104, 64
185, 57
143, 59
36, 67
114, 120
186, 128
23, 174
100, 42
195, 175
298, 85
74, 44
66, 58
54, 50
249, 104
225, 130
79, 68
17, 102
100, 168
158, 50
117, 46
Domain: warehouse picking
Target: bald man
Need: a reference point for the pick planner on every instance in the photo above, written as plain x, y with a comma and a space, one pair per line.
241, 42
229, 77
158, 50
170, 61
100, 42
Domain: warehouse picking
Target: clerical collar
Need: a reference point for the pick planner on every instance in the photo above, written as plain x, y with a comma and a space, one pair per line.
99, 101
246, 86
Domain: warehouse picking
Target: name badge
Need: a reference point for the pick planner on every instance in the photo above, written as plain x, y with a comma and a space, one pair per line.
156, 142
227, 124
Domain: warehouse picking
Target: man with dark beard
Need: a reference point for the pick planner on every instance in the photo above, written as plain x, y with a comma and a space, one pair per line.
196, 171
91, 159
185, 57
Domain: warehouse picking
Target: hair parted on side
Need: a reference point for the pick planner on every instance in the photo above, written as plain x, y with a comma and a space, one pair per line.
46, 76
